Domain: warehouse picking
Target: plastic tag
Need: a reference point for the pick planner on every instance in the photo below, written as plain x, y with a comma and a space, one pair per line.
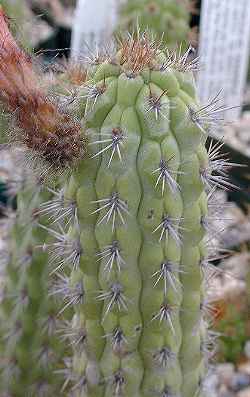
224, 52
93, 25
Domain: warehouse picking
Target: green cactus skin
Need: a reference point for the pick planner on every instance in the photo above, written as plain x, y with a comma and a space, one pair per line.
135, 256
167, 19
28, 350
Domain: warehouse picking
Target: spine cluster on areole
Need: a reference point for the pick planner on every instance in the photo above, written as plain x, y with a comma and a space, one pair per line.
130, 255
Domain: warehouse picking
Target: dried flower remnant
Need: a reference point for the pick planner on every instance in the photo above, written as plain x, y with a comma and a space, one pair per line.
45, 128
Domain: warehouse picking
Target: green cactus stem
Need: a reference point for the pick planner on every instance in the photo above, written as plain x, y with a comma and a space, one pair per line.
28, 350
133, 263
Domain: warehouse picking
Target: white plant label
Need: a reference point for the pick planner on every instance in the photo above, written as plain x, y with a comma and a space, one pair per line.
224, 52
93, 26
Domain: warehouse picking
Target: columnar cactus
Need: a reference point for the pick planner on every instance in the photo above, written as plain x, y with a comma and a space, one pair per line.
167, 19
141, 208
131, 257
133, 261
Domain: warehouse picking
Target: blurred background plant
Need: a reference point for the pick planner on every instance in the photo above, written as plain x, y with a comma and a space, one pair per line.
169, 20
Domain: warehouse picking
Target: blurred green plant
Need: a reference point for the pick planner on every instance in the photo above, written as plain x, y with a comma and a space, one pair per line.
168, 20
233, 323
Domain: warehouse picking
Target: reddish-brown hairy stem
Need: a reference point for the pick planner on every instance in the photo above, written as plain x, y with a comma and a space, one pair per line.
45, 128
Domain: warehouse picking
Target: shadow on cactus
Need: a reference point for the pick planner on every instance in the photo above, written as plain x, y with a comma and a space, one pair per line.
133, 258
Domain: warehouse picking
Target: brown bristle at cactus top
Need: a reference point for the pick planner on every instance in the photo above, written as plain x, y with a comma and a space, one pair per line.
138, 52
43, 126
